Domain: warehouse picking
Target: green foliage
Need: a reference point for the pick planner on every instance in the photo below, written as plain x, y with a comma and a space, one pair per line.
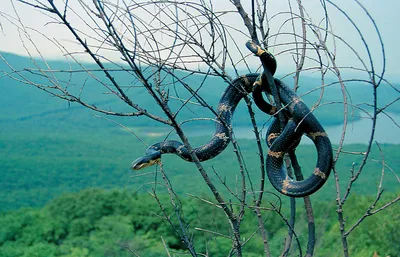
95, 222
90, 223
378, 233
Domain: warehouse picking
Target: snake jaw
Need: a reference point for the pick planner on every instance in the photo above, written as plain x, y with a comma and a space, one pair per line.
146, 161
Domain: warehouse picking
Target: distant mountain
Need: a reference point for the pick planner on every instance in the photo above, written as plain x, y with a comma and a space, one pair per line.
24, 105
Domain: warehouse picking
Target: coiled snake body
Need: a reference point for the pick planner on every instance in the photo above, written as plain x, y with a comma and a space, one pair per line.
301, 121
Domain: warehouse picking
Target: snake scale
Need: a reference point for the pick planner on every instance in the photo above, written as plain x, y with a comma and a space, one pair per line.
280, 140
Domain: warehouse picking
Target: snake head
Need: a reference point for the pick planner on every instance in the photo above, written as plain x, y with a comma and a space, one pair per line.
146, 161
254, 48
267, 59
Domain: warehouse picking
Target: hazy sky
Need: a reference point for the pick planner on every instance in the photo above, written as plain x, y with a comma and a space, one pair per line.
384, 12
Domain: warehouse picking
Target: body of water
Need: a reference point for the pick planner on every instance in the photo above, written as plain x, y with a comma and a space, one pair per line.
357, 132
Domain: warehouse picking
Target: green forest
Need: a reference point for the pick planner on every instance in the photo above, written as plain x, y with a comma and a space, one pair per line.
38, 167
109, 211
97, 222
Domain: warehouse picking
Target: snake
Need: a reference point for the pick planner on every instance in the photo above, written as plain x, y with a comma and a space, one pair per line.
237, 89
281, 140
301, 121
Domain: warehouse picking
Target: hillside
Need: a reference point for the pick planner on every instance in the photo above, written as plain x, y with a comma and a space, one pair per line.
24, 105
38, 166
96, 223
48, 146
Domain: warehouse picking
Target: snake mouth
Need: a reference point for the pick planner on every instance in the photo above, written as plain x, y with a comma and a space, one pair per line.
146, 161
141, 165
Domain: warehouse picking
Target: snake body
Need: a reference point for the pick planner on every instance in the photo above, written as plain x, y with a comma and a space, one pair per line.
280, 140
239, 87
301, 121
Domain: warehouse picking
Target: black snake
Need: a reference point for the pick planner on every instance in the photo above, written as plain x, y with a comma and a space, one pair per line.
301, 121
240, 87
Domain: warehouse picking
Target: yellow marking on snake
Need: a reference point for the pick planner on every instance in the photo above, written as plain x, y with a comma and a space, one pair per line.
224, 108
222, 136
285, 186
319, 173
314, 135
276, 154
149, 163
260, 51
272, 136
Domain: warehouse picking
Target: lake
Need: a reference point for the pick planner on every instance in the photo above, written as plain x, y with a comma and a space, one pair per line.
357, 132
